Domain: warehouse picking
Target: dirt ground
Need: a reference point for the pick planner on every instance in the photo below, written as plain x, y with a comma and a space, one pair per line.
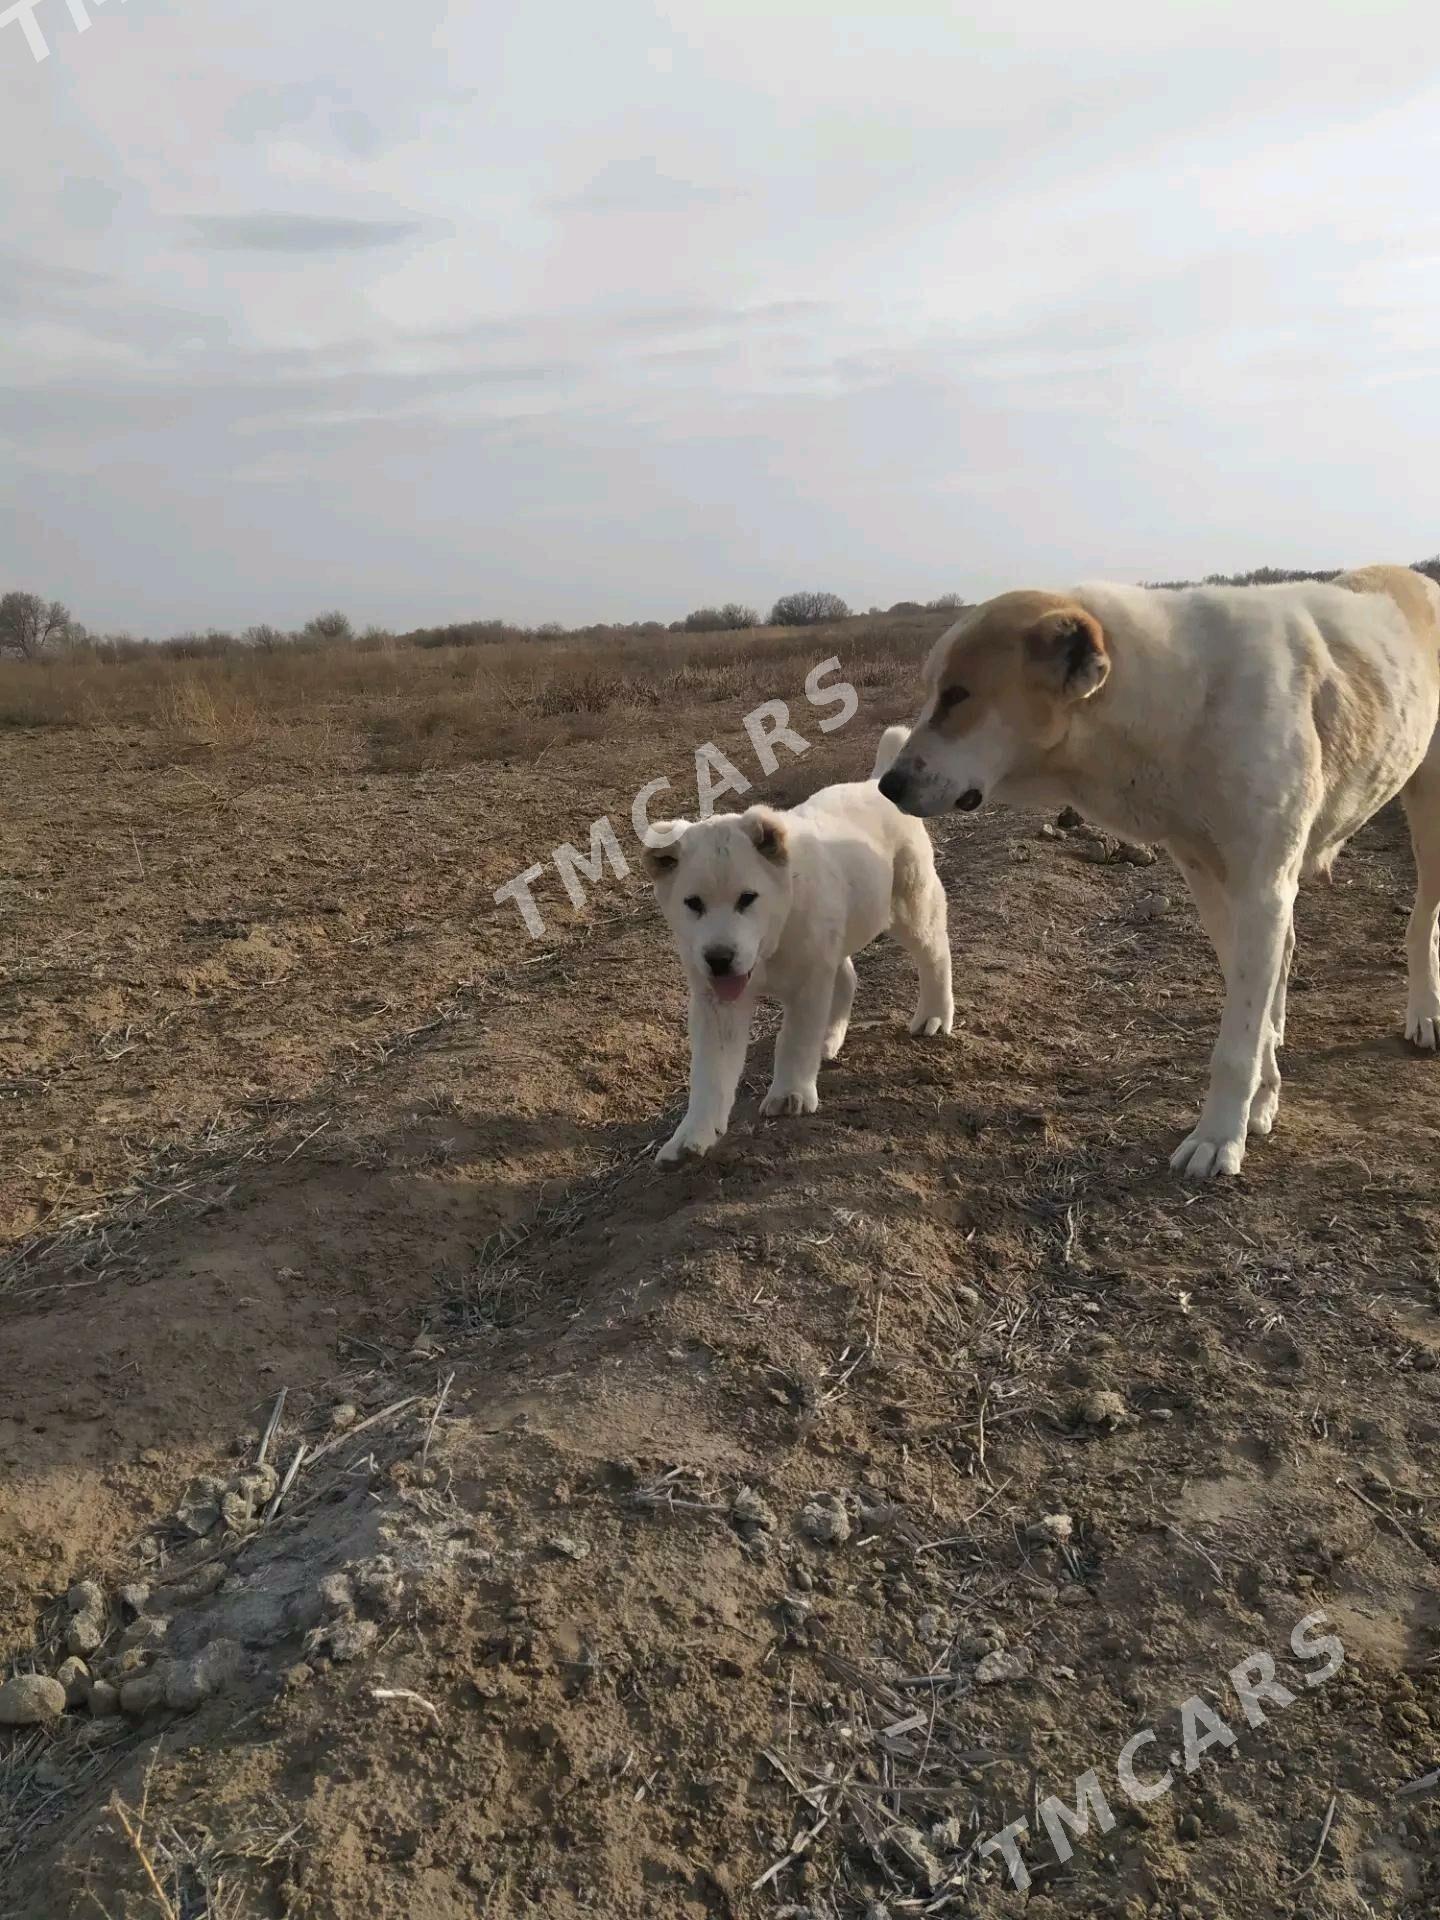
753, 1540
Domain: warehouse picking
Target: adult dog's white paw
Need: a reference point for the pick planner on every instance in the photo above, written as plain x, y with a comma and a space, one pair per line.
1203, 1156
789, 1100
926, 1025
686, 1143
834, 1041
1422, 1026
1263, 1109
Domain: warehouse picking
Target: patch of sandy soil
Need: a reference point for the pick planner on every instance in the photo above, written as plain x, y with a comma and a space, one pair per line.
753, 1540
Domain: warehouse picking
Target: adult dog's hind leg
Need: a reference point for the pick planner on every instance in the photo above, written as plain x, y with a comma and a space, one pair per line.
920, 927
1422, 807
841, 1001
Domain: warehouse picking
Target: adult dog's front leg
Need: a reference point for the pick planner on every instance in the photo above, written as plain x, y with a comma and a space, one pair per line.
719, 1036
798, 1051
1260, 929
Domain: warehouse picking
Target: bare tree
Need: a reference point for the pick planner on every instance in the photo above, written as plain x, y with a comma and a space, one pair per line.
28, 624
731, 618
807, 609
333, 626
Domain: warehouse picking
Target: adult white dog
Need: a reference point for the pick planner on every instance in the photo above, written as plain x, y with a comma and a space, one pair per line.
774, 904
1249, 730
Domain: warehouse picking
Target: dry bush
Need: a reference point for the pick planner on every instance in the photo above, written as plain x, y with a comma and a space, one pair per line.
196, 715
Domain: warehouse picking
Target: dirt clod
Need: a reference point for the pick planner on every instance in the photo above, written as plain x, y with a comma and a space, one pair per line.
30, 1699
826, 1521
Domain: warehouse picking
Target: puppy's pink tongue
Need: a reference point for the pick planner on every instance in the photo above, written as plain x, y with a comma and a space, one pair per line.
730, 986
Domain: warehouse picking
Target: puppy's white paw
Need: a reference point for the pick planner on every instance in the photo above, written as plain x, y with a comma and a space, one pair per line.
781, 1100
1203, 1156
686, 1143
926, 1025
1422, 1025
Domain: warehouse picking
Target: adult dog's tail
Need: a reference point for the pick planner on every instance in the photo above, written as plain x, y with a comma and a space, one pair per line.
891, 741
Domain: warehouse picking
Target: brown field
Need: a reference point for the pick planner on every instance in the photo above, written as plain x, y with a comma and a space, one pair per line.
520, 1608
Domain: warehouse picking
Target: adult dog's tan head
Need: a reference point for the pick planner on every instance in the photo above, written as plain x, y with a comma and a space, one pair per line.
1001, 688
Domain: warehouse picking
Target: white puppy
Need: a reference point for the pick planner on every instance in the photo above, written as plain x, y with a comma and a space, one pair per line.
1250, 730
773, 903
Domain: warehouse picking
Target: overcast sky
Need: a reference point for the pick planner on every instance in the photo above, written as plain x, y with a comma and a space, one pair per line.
572, 311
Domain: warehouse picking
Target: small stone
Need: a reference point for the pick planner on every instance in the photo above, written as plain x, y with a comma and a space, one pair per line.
1152, 906
1189, 1828
914, 1855
84, 1633
142, 1692
1135, 856
568, 1547
30, 1699
104, 1700
380, 1587
86, 1596
949, 1834
199, 1517
749, 1508
151, 1457
351, 1639
74, 1677
336, 1593
258, 1486
1053, 1530
1048, 832
826, 1520
205, 1582
343, 1416
996, 1668
145, 1630
189, 1682
1102, 1408
1068, 819
967, 1296
136, 1597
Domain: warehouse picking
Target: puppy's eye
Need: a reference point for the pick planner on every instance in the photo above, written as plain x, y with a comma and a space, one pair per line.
745, 900
695, 903
950, 698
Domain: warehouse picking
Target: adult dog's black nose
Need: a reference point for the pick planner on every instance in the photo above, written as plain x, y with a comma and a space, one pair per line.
893, 785
970, 799
720, 960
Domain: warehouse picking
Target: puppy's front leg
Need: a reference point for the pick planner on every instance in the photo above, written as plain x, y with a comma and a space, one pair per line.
1260, 933
719, 1036
799, 1048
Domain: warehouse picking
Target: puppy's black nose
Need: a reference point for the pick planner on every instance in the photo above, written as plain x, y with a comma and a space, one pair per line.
720, 960
970, 799
893, 785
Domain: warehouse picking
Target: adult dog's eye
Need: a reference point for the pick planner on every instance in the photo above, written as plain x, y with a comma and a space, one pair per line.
951, 697
745, 900
695, 903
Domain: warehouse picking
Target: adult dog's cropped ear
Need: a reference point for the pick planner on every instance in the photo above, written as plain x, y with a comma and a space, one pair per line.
770, 831
660, 854
1067, 649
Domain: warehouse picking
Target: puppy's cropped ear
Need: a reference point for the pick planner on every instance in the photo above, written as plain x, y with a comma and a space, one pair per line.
661, 852
770, 831
1067, 649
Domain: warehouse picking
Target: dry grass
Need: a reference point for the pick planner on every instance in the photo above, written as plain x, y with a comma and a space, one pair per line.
409, 707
